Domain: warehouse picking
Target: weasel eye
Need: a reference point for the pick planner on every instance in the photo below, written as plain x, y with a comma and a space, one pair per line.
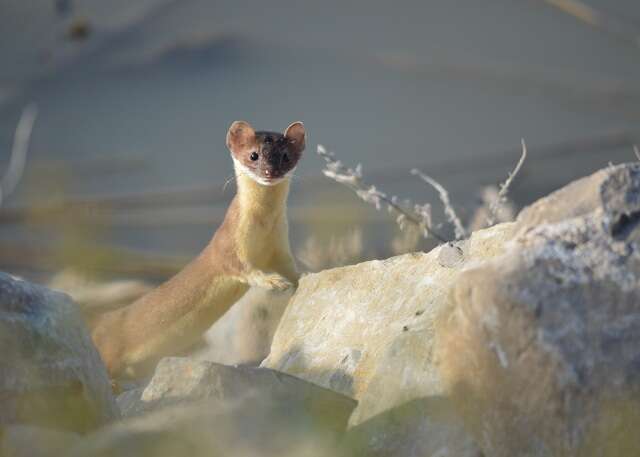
254, 156
285, 157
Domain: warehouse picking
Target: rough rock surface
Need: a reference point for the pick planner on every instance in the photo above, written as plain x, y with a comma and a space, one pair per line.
541, 348
342, 325
179, 380
50, 372
30, 441
367, 331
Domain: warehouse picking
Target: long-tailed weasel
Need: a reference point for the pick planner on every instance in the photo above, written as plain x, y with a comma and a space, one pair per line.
250, 248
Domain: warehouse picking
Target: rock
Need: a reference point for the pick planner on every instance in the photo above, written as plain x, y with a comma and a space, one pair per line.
426, 426
130, 404
50, 372
30, 441
450, 255
244, 334
367, 331
541, 347
200, 408
248, 426
179, 380
340, 325
578, 198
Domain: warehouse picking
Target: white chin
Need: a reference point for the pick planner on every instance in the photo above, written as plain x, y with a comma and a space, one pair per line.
264, 182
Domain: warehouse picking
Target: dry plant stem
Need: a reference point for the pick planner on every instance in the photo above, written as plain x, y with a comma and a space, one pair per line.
18, 157
504, 188
402, 211
597, 19
449, 211
353, 180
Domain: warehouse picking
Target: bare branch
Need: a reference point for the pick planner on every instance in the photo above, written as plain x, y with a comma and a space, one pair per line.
449, 211
351, 178
19, 151
504, 188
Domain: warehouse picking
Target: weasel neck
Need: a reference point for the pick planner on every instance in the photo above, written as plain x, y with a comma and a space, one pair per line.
254, 197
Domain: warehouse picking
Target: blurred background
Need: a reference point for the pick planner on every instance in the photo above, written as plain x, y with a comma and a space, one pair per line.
126, 167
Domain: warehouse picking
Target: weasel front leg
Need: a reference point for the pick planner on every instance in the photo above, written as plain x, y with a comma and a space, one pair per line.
284, 264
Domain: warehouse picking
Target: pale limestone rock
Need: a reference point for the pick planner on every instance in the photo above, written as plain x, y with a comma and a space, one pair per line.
541, 347
340, 324
50, 372
367, 331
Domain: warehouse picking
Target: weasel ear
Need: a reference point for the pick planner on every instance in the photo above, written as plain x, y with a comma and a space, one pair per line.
240, 136
296, 134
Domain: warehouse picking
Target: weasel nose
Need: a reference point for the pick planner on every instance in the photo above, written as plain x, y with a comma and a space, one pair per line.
267, 172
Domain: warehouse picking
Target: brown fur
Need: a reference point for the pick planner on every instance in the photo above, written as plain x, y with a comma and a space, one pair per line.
250, 248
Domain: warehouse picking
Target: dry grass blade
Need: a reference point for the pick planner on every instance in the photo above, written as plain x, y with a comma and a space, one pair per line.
504, 188
591, 16
577, 9
449, 211
19, 151
636, 151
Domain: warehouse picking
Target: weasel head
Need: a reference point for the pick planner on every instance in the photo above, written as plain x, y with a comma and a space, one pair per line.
266, 157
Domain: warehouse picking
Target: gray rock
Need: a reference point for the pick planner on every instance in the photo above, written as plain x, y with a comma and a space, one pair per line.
30, 441
541, 349
180, 380
130, 404
249, 426
50, 372
421, 427
200, 408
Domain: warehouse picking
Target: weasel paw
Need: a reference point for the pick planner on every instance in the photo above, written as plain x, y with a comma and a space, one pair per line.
270, 281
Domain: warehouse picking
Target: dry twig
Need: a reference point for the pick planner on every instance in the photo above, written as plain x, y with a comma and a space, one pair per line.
504, 188
449, 211
336, 170
18, 157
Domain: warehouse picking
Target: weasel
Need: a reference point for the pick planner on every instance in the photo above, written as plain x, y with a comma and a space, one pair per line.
250, 248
